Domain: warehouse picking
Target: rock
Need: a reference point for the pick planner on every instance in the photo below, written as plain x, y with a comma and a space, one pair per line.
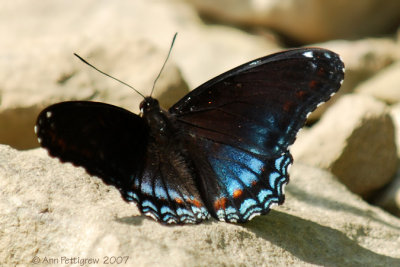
307, 21
389, 197
57, 212
384, 85
355, 141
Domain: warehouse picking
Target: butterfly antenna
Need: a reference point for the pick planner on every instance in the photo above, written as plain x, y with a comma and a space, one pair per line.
165, 62
108, 75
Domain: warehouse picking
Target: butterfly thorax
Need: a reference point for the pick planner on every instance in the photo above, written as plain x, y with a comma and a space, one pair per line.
157, 119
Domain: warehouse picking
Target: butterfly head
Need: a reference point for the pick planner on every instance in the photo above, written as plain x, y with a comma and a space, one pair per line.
149, 104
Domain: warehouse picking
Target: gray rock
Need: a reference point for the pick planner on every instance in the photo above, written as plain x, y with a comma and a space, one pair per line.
355, 141
57, 212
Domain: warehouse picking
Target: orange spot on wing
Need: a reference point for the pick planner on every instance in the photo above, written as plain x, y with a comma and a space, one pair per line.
237, 193
220, 203
197, 203
179, 200
194, 202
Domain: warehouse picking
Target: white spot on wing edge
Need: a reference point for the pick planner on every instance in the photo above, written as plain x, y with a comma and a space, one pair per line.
49, 114
151, 215
308, 54
253, 215
35, 129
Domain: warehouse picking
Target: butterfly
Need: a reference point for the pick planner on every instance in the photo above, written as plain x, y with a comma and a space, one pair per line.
221, 151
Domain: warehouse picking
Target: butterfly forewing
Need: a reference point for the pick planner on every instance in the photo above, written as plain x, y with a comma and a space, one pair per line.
261, 105
108, 141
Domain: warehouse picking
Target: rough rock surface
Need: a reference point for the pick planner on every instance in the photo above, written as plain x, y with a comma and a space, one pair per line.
56, 212
355, 140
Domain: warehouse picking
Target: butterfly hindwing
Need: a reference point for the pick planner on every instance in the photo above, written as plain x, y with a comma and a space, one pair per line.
166, 190
239, 185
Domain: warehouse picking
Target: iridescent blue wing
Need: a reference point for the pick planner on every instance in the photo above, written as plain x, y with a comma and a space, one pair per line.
113, 144
242, 122
237, 184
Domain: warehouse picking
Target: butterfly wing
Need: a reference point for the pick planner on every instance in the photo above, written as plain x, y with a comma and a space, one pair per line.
242, 122
106, 140
114, 144
166, 189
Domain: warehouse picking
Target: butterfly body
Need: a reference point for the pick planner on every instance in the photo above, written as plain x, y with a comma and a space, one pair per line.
221, 151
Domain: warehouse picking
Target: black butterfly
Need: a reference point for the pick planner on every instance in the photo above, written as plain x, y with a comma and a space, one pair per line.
221, 151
